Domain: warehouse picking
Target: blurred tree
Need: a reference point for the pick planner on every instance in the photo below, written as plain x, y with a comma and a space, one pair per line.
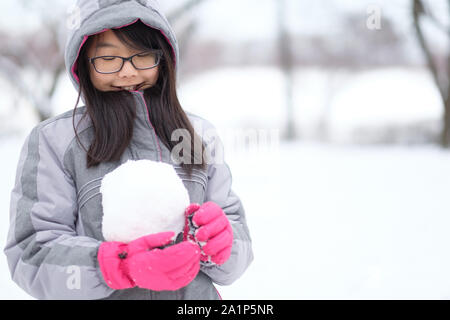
440, 68
287, 67
33, 64
184, 23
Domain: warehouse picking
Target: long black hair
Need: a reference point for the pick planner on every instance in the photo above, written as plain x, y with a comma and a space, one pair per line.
113, 113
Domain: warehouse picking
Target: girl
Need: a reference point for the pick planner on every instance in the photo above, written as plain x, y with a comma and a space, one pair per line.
122, 60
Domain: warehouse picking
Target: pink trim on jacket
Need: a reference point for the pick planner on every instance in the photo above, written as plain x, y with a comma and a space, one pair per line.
220, 297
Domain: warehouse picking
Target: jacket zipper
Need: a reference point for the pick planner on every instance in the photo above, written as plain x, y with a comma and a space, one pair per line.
141, 95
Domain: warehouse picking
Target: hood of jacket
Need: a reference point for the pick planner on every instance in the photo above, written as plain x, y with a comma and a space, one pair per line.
96, 16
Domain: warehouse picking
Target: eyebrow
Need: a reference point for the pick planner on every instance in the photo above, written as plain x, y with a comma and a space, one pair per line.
105, 45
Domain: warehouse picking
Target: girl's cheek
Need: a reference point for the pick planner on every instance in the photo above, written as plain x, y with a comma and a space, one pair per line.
96, 83
99, 82
96, 78
152, 76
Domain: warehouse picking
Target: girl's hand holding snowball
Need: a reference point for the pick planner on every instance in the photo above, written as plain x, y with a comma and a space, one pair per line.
209, 226
142, 263
143, 208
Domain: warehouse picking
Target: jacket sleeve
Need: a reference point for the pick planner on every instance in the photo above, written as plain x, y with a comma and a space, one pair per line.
45, 255
219, 191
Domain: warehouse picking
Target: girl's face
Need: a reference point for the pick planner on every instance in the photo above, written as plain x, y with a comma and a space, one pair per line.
128, 78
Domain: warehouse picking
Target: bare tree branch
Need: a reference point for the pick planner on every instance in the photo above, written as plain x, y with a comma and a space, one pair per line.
13, 73
443, 86
418, 10
287, 66
429, 14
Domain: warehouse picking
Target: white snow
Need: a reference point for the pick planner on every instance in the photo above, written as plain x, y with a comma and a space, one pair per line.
331, 222
255, 93
390, 96
141, 198
253, 97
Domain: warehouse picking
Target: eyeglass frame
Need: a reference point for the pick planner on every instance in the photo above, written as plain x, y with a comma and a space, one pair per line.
130, 58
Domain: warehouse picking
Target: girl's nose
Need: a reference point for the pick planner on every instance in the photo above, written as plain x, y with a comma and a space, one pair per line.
128, 70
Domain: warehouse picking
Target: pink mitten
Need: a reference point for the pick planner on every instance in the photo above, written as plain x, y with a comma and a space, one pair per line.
142, 262
212, 231
113, 266
158, 269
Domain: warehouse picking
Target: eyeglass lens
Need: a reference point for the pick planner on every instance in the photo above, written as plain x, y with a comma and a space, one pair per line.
114, 64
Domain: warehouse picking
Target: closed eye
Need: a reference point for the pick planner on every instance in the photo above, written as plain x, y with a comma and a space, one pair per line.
144, 54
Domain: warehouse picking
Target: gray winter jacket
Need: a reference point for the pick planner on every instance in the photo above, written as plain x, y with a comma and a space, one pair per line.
56, 211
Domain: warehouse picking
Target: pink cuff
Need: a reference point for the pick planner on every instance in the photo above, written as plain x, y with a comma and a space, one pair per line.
113, 265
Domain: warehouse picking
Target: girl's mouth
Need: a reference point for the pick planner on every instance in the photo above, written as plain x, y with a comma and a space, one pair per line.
131, 88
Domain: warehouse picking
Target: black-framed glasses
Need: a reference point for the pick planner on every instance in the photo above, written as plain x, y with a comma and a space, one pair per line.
140, 61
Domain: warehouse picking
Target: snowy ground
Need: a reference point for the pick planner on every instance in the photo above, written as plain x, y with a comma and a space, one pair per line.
329, 222
347, 223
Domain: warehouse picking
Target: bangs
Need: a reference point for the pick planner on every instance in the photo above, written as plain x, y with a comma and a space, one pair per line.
138, 36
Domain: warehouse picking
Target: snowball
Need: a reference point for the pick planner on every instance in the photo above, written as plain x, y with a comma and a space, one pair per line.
140, 198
